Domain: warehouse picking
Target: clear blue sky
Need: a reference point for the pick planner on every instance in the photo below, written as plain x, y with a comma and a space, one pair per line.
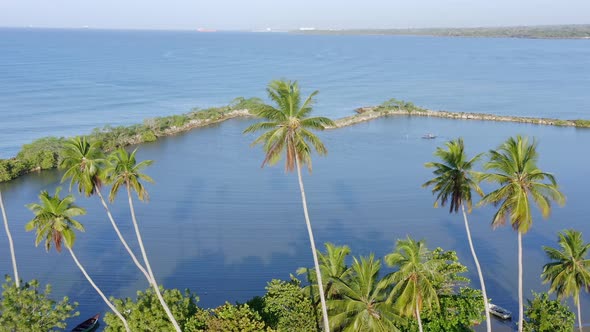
260, 14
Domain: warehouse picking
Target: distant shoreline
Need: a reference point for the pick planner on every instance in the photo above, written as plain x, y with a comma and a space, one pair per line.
577, 31
45, 153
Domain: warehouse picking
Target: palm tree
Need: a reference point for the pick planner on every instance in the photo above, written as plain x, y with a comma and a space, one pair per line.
332, 267
10, 243
453, 183
513, 166
54, 223
362, 304
289, 132
123, 170
569, 269
415, 278
84, 165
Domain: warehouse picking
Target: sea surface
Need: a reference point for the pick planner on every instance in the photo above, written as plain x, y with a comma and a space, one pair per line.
219, 224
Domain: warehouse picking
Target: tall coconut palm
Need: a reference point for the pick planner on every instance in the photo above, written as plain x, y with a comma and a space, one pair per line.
84, 165
362, 304
569, 269
415, 278
453, 183
289, 132
123, 170
333, 267
513, 166
10, 243
54, 223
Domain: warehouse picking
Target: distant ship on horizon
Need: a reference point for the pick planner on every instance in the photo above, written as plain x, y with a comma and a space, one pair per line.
206, 30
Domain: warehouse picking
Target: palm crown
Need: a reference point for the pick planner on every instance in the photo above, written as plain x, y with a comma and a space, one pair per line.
288, 126
54, 220
454, 179
416, 278
124, 170
82, 162
569, 269
514, 167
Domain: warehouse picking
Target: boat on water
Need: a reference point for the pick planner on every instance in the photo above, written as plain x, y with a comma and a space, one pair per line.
89, 325
429, 136
500, 312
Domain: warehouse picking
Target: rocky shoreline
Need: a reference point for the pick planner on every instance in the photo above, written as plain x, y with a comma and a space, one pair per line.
375, 112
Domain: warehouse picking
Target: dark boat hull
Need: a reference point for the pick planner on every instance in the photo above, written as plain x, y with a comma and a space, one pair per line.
89, 325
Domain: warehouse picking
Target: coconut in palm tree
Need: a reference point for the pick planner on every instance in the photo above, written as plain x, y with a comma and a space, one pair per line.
55, 224
288, 132
513, 166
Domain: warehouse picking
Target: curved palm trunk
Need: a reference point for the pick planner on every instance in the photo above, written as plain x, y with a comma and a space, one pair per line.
133, 257
99, 291
579, 313
483, 286
16, 278
147, 264
418, 317
520, 307
313, 249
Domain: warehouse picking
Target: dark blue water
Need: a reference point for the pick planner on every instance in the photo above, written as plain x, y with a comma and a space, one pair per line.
223, 227
65, 82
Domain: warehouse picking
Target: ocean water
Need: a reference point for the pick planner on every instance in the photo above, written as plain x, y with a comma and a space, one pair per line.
66, 82
219, 224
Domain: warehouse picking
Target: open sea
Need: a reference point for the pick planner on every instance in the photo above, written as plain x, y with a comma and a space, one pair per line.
219, 224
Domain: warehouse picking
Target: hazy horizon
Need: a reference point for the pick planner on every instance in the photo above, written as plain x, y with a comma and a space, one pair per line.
263, 14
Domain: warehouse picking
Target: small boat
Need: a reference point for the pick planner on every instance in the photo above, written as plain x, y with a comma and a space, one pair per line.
88, 325
500, 312
429, 136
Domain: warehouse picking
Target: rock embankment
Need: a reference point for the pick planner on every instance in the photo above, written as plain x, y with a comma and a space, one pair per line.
374, 112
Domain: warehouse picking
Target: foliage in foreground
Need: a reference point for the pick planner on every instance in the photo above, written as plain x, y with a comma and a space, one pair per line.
146, 313
27, 308
545, 315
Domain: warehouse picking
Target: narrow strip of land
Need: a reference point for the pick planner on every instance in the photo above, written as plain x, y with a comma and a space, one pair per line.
577, 31
46, 153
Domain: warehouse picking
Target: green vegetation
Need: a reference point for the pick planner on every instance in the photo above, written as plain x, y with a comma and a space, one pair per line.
545, 315
147, 314
27, 308
545, 31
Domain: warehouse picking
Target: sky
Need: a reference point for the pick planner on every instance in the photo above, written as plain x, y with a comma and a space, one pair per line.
262, 14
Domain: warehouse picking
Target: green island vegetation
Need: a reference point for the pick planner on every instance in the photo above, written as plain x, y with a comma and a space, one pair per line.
421, 290
578, 31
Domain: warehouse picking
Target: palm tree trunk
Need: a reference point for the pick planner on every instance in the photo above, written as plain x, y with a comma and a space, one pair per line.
16, 277
520, 301
133, 257
99, 291
313, 249
481, 281
147, 263
579, 313
418, 318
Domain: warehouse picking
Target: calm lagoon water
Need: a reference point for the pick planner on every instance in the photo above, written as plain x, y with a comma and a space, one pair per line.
219, 224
